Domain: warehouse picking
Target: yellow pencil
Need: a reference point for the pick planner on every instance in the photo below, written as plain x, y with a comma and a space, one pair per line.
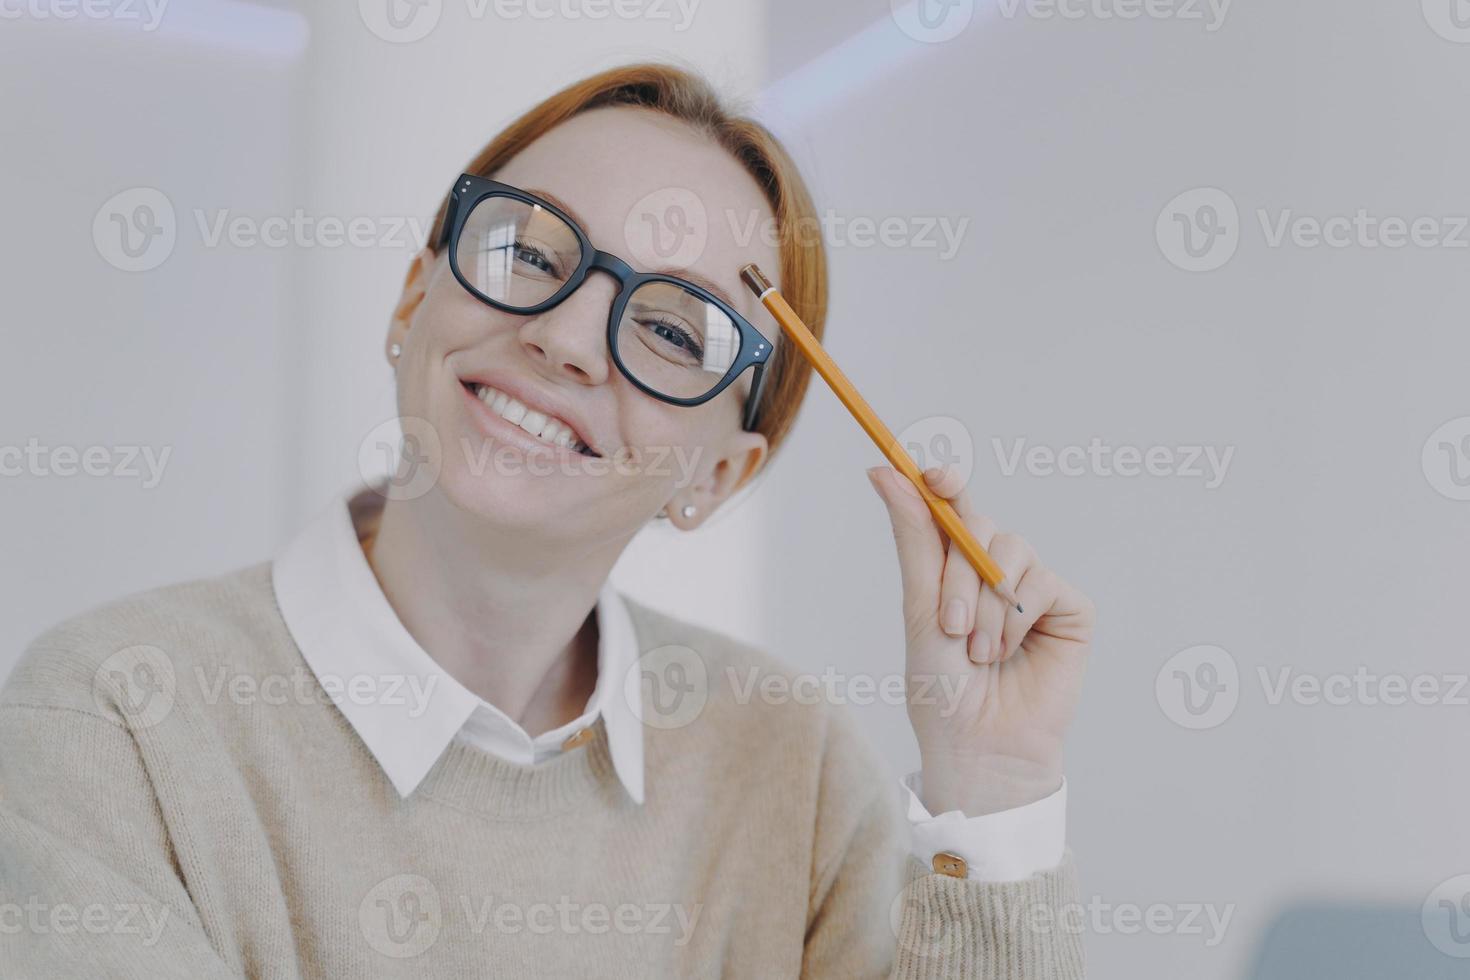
942, 510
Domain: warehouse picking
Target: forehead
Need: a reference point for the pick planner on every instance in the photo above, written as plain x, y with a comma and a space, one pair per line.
656, 193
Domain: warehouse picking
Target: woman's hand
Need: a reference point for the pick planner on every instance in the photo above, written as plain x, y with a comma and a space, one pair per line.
990, 690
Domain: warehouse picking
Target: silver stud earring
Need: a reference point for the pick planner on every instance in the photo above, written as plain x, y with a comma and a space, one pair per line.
394, 351
687, 510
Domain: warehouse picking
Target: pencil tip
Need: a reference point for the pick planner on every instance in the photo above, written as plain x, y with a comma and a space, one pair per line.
1019, 609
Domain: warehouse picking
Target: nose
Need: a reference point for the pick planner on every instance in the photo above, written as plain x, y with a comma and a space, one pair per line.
570, 340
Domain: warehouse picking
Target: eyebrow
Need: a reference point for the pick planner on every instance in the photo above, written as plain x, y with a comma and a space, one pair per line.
689, 275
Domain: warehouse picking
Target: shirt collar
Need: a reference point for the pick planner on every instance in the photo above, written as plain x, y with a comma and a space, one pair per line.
402, 704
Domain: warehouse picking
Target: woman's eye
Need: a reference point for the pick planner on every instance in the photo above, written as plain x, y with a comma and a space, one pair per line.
676, 335
533, 256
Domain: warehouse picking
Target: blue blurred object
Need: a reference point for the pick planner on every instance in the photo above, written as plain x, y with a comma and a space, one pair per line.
1344, 942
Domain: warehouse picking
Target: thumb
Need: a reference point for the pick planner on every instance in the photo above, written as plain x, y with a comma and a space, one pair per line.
917, 538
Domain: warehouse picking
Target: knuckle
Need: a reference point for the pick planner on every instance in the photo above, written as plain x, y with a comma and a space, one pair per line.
1088, 607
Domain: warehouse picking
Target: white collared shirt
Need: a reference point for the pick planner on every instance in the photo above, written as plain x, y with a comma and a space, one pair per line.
345, 627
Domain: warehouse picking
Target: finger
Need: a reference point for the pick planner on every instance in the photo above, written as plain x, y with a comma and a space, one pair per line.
961, 581
920, 546
1071, 616
948, 483
960, 589
958, 593
1014, 555
1037, 592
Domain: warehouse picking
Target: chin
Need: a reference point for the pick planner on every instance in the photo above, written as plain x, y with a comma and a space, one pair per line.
506, 502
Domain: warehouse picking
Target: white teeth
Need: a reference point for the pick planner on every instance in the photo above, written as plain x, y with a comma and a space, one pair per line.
544, 427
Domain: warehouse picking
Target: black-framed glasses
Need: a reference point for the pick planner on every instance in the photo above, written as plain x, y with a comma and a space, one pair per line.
672, 338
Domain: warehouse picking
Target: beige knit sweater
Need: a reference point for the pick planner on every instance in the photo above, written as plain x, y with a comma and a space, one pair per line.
201, 834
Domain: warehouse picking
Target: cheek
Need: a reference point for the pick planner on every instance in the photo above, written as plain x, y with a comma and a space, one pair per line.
669, 443
450, 319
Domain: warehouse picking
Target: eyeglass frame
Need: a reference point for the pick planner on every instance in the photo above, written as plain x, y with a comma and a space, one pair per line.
472, 189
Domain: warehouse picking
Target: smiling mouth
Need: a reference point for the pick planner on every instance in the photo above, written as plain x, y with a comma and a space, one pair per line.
548, 428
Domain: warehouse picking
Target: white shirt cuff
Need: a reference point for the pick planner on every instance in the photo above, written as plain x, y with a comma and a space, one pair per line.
1011, 845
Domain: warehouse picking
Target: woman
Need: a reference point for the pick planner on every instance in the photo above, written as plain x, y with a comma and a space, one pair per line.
430, 740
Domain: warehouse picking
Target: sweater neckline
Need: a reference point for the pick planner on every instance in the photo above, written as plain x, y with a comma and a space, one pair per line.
475, 781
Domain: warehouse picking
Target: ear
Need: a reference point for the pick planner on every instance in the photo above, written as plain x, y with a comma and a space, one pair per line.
743, 455
415, 285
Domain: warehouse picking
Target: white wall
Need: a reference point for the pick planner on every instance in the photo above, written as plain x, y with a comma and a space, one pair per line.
187, 360
1060, 320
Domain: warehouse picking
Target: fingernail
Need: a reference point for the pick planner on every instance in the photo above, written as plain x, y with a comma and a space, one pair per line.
934, 474
953, 618
982, 647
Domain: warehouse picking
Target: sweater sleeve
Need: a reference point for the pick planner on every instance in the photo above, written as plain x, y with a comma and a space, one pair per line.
89, 884
877, 911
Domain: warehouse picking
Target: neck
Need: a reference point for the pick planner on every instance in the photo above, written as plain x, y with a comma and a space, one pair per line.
509, 621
